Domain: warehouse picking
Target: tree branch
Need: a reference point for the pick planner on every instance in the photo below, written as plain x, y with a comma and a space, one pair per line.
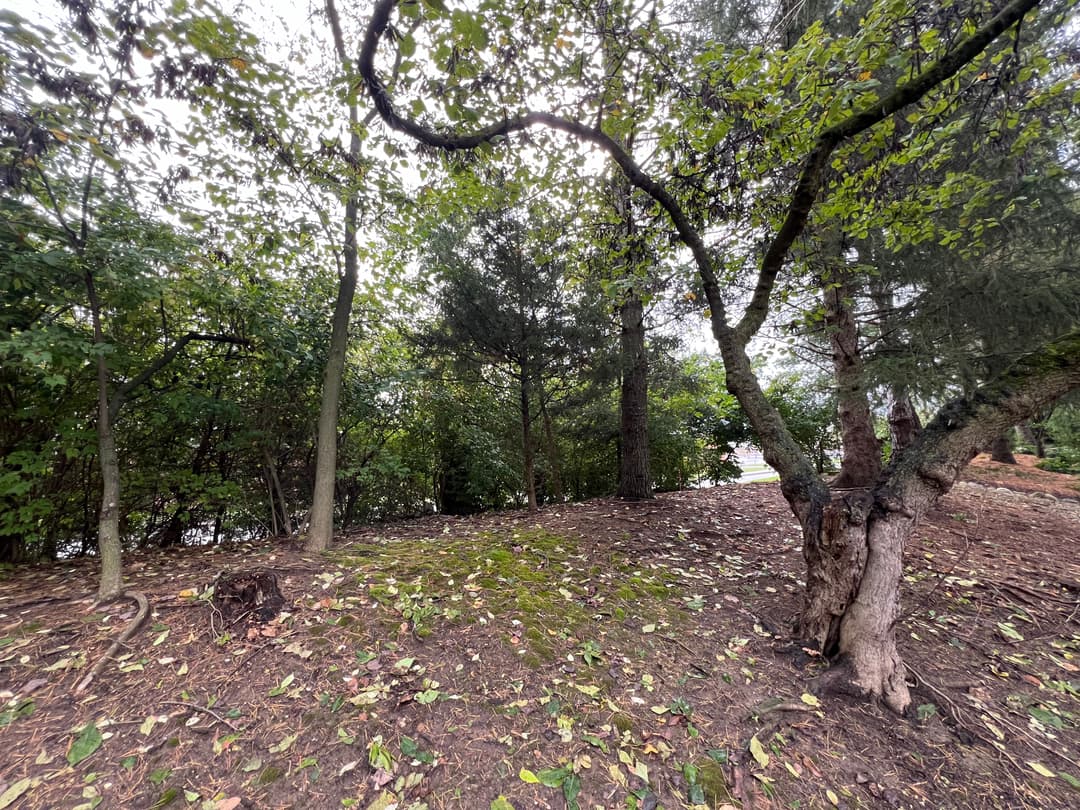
496, 132
812, 177
800, 482
963, 427
123, 391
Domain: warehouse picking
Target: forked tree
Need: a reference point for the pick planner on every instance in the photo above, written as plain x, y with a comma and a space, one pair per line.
854, 537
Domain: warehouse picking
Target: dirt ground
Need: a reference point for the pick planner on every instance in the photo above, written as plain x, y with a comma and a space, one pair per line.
595, 655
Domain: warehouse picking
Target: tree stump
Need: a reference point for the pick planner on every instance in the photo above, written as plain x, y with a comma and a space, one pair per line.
247, 593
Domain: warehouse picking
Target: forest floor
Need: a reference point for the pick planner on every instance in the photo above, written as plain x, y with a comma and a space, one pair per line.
601, 655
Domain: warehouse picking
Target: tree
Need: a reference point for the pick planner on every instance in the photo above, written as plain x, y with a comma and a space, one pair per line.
61, 154
321, 529
502, 303
853, 538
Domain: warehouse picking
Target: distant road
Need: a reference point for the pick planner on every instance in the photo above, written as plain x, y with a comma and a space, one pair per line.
767, 474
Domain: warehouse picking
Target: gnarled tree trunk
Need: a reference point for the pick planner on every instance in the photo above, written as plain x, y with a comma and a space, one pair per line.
854, 549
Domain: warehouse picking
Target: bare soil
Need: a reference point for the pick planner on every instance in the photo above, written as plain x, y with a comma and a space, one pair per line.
601, 655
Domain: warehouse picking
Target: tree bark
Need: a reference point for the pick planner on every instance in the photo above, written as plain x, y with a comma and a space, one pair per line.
1001, 448
861, 462
321, 528
1035, 437
552, 451
110, 584
904, 424
854, 553
275, 481
634, 478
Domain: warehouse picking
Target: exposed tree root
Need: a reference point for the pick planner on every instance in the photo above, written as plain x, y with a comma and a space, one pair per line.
129, 631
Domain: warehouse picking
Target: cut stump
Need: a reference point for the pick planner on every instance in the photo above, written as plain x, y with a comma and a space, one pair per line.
241, 594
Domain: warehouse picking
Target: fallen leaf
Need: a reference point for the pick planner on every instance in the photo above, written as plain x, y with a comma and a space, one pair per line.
1040, 769
758, 752
88, 741
14, 791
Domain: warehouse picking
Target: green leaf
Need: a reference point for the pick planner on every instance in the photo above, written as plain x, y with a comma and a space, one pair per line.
1048, 719
410, 749
925, 711
501, 803
379, 755
1009, 631
571, 787
1070, 779
285, 744
553, 777
88, 741
528, 777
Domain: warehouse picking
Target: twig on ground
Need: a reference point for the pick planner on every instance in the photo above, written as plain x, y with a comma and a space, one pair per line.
698, 667
204, 710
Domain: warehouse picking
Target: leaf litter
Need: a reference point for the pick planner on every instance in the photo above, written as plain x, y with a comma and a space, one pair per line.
604, 654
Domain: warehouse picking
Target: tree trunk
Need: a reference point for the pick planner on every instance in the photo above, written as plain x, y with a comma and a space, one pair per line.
321, 528
904, 424
527, 441
273, 508
854, 552
862, 450
634, 479
110, 585
1001, 448
1034, 436
275, 481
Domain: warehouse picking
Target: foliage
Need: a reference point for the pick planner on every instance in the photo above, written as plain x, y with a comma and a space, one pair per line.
694, 424
809, 411
1063, 430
